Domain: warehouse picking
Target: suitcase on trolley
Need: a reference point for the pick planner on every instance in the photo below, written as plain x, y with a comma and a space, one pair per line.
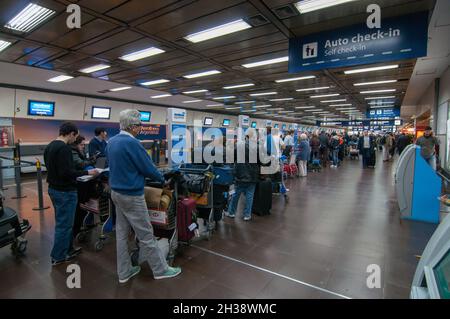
185, 218
294, 169
262, 200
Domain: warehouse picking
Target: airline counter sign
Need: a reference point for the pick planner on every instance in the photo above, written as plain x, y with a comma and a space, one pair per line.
398, 38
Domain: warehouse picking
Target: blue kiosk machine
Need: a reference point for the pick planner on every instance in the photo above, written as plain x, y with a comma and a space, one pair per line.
418, 187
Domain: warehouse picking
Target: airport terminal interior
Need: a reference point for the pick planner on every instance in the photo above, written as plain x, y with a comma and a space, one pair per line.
233, 149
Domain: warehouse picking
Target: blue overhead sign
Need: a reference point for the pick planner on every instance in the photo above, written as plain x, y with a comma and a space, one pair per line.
398, 38
383, 113
369, 124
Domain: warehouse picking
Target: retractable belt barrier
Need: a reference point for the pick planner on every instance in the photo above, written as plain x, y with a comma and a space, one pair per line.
18, 164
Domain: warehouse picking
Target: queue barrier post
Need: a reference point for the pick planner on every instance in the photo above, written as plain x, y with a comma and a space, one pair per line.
17, 179
40, 188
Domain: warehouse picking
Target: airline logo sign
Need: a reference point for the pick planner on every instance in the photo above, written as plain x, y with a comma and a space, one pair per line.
178, 115
398, 38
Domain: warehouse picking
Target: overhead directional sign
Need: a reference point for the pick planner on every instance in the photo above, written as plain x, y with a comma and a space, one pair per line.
383, 113
398, 38
370, 124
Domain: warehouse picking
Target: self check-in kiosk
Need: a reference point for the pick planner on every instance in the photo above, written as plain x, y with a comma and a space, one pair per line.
432, 276
418, 187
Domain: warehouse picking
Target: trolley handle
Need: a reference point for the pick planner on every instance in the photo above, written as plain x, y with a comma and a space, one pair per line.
191, 170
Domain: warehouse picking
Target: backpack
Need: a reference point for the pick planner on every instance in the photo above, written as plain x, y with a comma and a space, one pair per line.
383, 140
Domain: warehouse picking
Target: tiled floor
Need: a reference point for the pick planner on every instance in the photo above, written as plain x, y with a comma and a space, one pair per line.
318, 245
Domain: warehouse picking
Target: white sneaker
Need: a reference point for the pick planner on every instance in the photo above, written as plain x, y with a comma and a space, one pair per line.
133, 272
247, 218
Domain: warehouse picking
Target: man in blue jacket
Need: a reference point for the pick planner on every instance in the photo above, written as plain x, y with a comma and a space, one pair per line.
98, 143
129, 165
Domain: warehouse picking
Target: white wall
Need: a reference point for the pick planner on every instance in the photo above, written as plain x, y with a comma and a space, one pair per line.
444, 87
14, 103
6, 102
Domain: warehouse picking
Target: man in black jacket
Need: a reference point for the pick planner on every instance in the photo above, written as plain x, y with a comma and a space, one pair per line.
246, 175
324, 146
62, 189
366, 147
402, 142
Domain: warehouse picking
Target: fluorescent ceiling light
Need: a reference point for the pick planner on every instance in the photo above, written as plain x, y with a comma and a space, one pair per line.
160, 96
379, 106
345, 108
314, 110
192, 101
380, 97
313, 89
296, 79
233, 108
244, 102
378, 91
153, 82
333, 101
59, 78
375, 68
337, 105
95, 68
266, 62
263, 93
4, 45
324, 112
29, 18
145, 53
276, 109
218, 31
261, 112
238, 86
264, 105
249, 110
305, 107
200, 74
224, 97
313, 5
121, 88
324, 95
381, 102
376, 82
195, 91
284, 99
286, 112
214, 105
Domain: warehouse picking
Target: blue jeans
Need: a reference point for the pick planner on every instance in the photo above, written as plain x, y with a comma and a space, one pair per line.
335, 157
65, 205
249, 190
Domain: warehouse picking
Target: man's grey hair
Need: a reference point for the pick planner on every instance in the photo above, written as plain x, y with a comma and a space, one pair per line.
129, 118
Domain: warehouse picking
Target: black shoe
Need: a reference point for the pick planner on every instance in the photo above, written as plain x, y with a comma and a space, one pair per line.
75, 251
69, 258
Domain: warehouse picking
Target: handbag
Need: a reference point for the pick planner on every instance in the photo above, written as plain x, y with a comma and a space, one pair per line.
197, 184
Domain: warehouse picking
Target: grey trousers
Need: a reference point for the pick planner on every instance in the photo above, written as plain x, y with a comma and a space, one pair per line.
131, 212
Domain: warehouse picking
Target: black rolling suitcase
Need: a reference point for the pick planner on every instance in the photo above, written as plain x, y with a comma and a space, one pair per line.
372, 160
262, 201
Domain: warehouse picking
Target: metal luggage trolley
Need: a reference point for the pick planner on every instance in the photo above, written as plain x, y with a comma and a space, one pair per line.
99, 212
283, 176
205, 201
164, 223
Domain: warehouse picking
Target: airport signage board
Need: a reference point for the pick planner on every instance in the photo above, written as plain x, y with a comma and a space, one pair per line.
369, 124
383, 113
399, 38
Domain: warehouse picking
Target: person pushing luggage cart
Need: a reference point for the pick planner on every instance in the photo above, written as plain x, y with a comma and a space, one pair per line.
129, 166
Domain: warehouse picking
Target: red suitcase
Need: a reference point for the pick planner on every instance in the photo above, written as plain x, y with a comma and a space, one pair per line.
185, 218
294, 169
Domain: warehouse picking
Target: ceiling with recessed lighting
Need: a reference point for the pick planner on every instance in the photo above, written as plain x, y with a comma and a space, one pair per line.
173, 49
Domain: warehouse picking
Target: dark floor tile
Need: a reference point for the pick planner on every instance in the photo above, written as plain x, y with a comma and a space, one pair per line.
217, 291
244, 279
280, 288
